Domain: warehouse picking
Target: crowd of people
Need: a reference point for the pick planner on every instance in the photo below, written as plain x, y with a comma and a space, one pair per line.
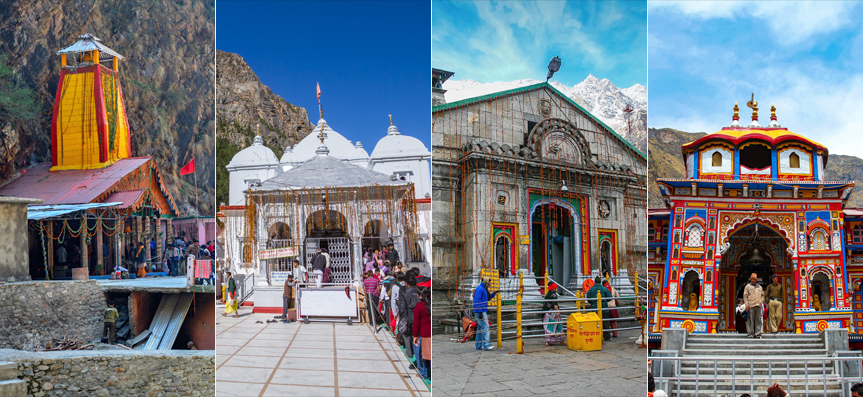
399, 300
396, 299
171, 260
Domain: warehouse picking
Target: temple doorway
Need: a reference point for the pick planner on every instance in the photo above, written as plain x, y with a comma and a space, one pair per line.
755, 248
552, 243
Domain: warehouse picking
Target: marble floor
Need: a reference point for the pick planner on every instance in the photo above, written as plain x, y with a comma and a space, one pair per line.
254, 358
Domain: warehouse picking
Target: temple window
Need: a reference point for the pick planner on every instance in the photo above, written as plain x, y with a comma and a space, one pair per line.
857, 234
717, 159
794, 160
695, 236
818, 240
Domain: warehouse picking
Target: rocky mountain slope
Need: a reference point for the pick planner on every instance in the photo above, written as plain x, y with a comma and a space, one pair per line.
666, 161
245, 105
599, 97
167, 80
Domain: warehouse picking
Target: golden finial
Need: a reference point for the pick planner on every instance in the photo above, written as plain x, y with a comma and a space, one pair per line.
391, 120
736, 112
772, 112
753, 104
257, 128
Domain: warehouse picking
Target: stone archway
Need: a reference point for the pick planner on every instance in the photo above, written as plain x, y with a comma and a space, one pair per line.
569, 246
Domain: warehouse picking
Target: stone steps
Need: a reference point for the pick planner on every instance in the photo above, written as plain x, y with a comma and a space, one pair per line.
752, 352
10, 385
796, 377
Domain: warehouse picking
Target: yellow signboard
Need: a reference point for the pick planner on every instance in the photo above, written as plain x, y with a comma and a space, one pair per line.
493, 285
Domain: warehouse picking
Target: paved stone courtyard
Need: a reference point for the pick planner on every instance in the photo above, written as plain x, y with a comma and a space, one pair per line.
316, 359
619, 369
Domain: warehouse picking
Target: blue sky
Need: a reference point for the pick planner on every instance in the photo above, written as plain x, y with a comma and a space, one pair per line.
803, 57
371, 59
508, 40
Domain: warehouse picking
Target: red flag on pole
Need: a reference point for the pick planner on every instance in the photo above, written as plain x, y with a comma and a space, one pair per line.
188, 168
319, 90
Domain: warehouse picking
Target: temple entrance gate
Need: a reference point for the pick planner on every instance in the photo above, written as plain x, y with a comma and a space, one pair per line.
755, 247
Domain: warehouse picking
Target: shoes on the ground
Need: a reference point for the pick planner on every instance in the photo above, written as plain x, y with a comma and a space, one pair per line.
412, 367
490, 348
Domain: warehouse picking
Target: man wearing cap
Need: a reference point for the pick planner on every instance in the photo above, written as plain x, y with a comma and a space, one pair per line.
774, 304
753, 298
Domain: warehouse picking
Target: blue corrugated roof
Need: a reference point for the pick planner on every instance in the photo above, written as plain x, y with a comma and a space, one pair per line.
38, 212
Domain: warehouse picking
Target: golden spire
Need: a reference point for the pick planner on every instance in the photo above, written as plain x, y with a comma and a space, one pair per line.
753, 104
772, 112
736, 112
391, 120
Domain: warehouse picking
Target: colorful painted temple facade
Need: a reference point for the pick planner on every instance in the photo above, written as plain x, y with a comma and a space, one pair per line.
754, 200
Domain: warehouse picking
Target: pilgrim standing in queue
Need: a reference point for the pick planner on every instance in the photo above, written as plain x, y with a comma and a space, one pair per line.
774, 304
753, 297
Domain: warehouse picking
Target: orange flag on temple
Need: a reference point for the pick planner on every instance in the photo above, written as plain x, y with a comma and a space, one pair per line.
319, 90
188, 168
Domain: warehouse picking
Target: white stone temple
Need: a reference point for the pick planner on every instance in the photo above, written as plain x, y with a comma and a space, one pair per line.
338, 164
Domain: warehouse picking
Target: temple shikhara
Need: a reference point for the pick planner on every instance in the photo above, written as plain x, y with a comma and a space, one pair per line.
755, 200
95, 192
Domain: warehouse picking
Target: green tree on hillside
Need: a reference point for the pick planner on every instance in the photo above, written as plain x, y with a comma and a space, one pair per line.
17, 101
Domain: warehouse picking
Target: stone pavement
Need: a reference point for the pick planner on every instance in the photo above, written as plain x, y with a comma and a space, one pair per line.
619, 369
316, 359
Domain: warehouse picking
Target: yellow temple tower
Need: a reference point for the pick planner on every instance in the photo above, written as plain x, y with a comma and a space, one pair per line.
89, 128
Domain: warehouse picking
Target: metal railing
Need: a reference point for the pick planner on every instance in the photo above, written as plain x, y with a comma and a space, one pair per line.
581, 304
246, 288
758, 372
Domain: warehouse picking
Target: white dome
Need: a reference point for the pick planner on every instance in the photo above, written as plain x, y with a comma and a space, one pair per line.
359, 152
255, 155
339, 146
288, 156
397, 145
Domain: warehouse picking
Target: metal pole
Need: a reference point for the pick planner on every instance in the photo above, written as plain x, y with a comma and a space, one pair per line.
599, 311
499, 328
519, 348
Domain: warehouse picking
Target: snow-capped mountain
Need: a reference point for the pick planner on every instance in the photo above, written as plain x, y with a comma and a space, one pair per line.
599, 97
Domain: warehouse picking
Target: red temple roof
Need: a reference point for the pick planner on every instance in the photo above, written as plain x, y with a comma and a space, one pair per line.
93, 185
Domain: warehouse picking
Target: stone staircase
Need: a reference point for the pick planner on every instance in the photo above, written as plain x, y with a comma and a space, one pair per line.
10, 385
724, 356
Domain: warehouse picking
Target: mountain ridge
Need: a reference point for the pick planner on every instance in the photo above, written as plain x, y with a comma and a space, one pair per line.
245, 107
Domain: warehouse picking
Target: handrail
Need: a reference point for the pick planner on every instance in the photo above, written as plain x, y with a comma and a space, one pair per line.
245, 290
837, 365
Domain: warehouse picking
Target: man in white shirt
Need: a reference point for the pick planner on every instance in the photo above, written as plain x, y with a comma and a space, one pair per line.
301, 275
61, 255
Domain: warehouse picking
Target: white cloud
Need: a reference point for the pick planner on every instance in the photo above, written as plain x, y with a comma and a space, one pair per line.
514, 39
792, 23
